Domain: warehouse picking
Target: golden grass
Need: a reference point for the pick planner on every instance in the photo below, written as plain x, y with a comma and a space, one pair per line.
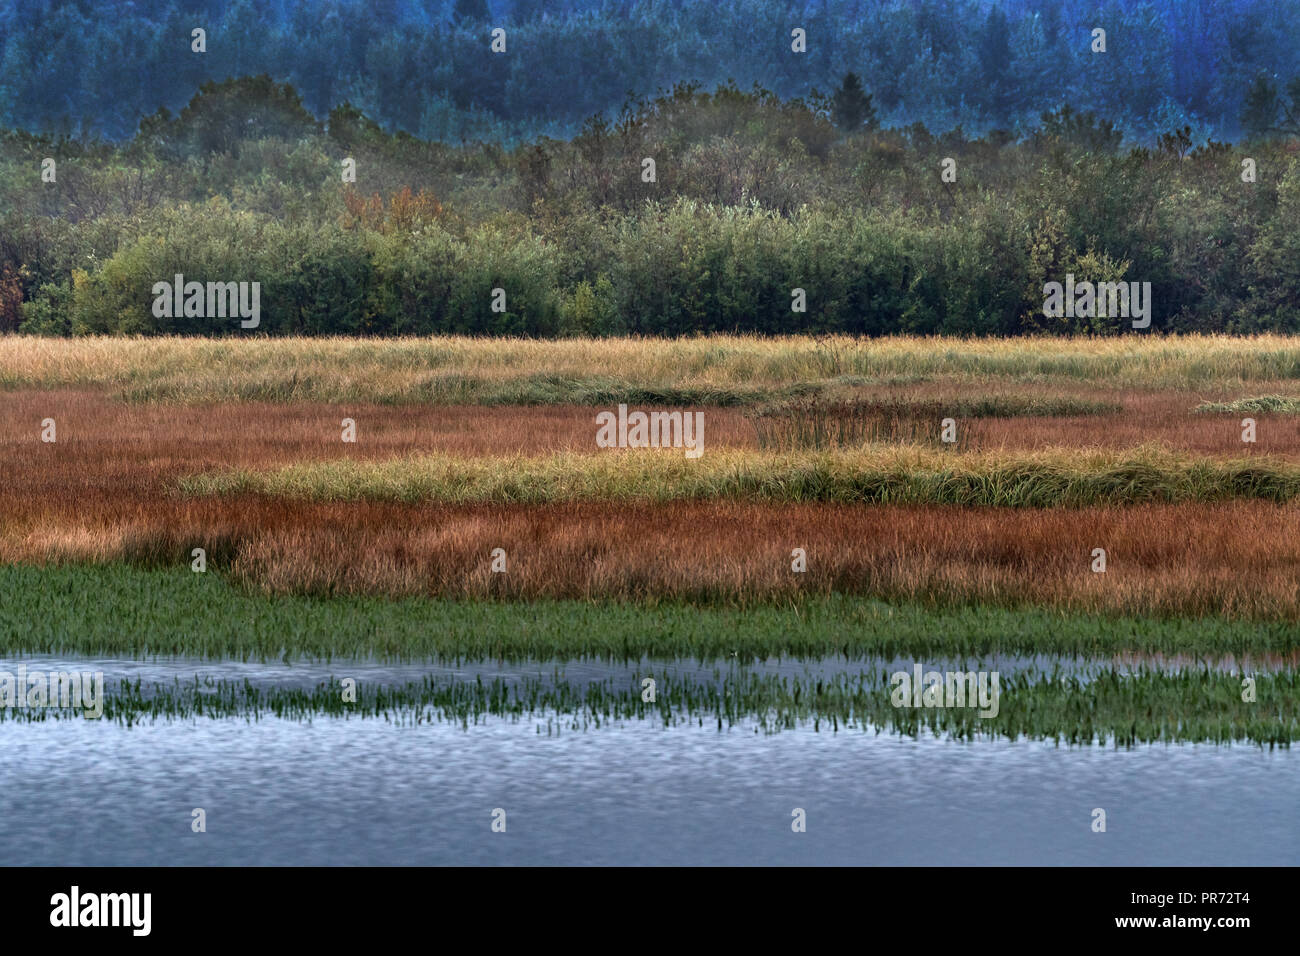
466, 370
879, 474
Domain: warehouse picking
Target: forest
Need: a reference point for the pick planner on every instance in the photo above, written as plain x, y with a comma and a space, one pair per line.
755, 214
95, 67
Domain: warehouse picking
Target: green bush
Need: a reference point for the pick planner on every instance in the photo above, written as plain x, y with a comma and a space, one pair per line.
48, 313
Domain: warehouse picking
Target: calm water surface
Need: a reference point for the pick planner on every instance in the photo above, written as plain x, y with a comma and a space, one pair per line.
336, 791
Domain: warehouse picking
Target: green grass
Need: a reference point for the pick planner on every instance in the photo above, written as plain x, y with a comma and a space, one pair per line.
884, 475
120, 611
1110, 707
1264, 404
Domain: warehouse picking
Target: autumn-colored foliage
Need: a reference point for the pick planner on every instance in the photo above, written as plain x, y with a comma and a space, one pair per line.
405, 212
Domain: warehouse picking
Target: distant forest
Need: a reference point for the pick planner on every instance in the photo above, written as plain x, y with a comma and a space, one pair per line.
749, 197
97, 67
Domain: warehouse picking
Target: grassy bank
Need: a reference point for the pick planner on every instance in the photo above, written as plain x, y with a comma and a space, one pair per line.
711, 370
120, 611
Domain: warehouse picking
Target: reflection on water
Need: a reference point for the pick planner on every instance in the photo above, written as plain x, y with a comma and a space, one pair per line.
330, 790
307, 674
333, 791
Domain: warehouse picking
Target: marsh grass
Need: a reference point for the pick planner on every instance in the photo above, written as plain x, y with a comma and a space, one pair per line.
457, 389
907, 475
1116, 708
107, 492
120, 611
818, 424
707, 369
1263, 405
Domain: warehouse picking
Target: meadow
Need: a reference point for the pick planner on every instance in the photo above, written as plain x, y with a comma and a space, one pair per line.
722, 370
383, 547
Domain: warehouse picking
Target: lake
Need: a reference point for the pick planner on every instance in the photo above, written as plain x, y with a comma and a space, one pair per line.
334, 790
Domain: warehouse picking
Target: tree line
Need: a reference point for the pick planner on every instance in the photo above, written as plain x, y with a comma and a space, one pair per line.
95, 67
752, 198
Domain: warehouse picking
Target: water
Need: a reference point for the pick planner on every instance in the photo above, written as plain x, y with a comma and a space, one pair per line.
306, 674
365, 791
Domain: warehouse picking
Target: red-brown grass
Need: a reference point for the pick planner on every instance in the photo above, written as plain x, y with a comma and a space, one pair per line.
103, 492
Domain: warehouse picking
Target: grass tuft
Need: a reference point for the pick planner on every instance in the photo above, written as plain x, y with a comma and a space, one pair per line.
1264, 404
908, 475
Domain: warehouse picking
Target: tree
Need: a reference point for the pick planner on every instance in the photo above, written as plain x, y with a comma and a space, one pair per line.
1260, 112
851, 107
994, 46
994, 53
222, 116
1266, 112
1175, 143
1082, 130
471, 11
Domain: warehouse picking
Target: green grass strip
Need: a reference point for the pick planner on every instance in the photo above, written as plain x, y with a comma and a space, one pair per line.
121, 611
